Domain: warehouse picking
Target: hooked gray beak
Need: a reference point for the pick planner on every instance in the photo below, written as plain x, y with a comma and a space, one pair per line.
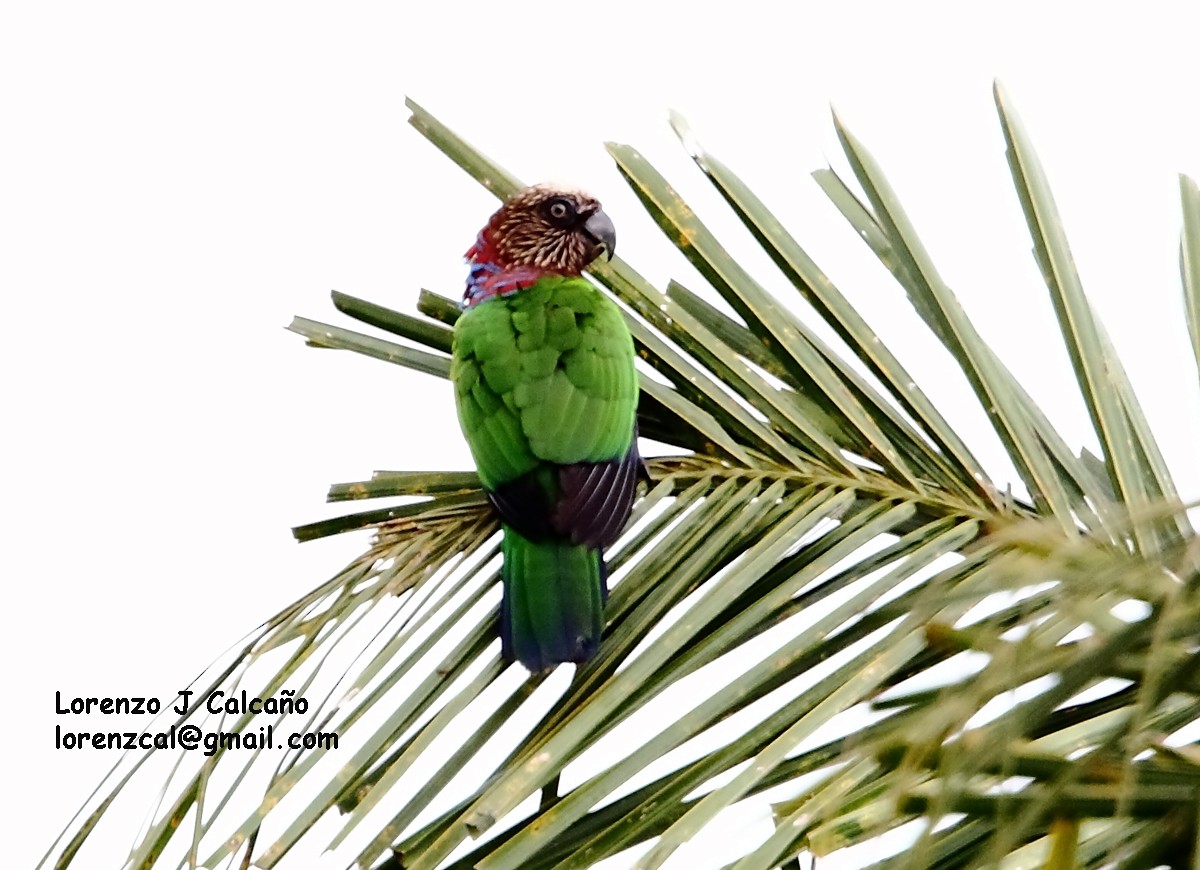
601, 231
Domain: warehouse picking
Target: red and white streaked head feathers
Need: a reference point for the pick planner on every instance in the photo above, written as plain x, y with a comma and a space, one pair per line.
548, 228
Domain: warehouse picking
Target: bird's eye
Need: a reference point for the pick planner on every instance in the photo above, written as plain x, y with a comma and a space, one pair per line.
560, 211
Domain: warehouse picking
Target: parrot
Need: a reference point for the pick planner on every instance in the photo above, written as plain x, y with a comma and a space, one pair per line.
546, 392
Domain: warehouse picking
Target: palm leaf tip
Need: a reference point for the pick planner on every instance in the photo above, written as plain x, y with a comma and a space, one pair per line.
1189, 259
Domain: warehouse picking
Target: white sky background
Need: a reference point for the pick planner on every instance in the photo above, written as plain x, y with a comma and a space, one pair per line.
177, 182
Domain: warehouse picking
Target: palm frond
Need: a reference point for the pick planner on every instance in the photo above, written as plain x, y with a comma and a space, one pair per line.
822, 563
1134, 464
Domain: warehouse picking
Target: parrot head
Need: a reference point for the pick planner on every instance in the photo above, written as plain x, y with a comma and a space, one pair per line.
546, 228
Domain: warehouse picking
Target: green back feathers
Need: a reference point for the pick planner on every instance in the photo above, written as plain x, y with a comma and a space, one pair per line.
544, 375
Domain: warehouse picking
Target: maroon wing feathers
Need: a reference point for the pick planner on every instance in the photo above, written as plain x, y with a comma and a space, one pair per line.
591, 506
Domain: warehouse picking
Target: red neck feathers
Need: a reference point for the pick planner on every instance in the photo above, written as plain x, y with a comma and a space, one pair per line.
490, 276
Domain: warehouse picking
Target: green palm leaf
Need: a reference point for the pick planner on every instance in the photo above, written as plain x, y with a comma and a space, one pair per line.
821, 561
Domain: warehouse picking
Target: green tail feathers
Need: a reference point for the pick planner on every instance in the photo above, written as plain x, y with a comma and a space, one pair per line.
553, 607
